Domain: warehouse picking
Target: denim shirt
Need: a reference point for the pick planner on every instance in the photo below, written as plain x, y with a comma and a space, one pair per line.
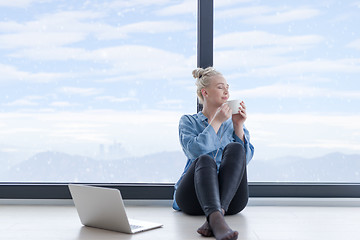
198, 137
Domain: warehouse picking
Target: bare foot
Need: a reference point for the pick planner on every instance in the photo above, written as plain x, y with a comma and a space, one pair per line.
220, 228
205, 230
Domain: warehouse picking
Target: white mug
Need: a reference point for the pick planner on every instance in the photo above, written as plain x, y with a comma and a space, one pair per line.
234, 105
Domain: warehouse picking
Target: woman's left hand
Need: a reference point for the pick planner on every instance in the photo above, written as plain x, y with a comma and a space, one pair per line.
239, 118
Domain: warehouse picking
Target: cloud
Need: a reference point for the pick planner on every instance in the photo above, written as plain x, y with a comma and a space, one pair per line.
261, 54
229, 3
303, 134
69, 35
347, 122
264, 39
284, 17
116, 99
33, 101
21, 103
185, 7
63, 104
82, 132
127, 55
254, 49
321, 144
124, 4
354, 44
155, 27
80, 91
295, 91
229, 60
313, 66
68, 27
9, 150
356, 4
123, 54
11, 73
112, 64
54, 30
52, 53
236, 12
10, 26
20, 3
266, 15
171, 103
269, 66
131, 63
39, 40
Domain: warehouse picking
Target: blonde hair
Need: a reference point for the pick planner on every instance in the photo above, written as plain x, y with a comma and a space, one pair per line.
203, 77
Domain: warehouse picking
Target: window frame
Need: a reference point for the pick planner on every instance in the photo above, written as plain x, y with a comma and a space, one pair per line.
157, 191
150, 191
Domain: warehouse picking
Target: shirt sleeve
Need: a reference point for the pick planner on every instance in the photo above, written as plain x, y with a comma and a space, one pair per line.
249, 148
195, 143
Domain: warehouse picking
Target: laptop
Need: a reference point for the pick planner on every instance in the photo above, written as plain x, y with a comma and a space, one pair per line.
104, 208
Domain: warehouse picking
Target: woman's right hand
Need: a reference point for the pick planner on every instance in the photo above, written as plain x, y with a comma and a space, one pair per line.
222, 114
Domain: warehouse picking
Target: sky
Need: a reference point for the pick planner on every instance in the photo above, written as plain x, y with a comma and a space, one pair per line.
83, 74
297, 65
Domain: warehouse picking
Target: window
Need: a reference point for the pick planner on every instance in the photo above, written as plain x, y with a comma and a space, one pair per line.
82, 80
296, 64
92, 91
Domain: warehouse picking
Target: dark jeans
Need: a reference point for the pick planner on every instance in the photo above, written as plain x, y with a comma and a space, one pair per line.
203, 191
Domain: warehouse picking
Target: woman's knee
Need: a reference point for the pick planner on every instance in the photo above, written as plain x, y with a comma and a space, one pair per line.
205, 161
236, 146
235, 151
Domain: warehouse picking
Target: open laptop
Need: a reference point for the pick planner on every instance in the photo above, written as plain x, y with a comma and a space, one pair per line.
104, 208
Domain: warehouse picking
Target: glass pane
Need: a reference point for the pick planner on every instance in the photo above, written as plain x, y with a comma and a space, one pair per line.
296, 64
92, 91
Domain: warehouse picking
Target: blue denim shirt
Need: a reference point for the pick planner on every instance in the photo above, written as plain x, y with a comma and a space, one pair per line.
198, 137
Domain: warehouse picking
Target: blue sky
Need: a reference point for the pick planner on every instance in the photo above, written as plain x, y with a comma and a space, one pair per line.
79, 74
297, 65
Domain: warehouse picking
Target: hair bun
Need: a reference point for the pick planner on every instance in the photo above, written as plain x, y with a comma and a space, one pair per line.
198, 72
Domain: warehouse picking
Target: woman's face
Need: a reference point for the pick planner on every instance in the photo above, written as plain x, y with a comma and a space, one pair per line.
218, 91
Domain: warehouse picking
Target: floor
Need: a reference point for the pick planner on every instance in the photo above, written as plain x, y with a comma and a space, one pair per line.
256, 222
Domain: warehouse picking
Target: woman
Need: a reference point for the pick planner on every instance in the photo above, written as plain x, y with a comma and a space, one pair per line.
216, 143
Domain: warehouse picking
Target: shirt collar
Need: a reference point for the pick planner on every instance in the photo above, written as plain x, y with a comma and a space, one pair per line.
202, 117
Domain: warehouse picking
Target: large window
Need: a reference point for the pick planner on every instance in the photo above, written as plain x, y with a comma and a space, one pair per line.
296, 64
92, 91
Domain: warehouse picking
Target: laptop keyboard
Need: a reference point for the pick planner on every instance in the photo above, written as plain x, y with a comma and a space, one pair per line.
134, 227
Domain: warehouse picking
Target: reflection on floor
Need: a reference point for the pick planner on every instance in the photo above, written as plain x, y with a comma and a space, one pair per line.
37, 222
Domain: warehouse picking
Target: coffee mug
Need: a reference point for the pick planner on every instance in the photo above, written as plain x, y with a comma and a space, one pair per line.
234, 105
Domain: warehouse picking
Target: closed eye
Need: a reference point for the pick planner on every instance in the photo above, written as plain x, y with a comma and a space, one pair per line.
221, 86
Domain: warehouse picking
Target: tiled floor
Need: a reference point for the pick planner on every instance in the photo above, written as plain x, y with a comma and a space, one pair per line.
39, 222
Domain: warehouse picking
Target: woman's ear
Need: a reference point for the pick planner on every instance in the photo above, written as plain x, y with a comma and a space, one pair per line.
203, 92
